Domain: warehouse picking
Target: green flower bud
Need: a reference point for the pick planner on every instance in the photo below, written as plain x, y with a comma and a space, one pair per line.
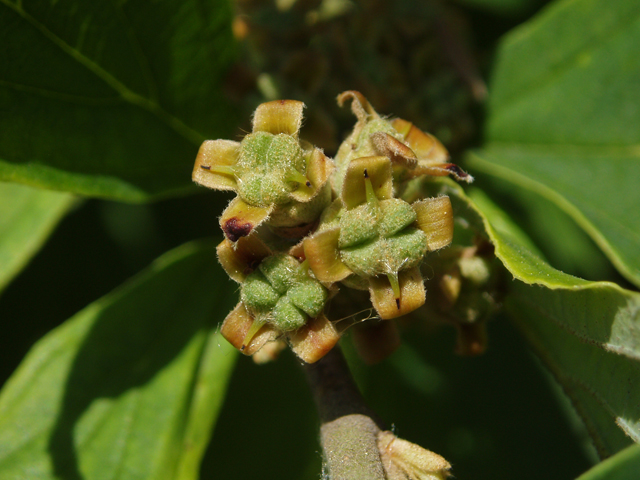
376, 238
258, 294
357, 225
395, 215
282, 271
280, 292
286, 316
379, 238
268, 168
309, 296
279, 180
387, 256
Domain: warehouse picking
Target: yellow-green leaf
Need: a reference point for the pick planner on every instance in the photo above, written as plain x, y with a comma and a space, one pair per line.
588, 333
27, 217
130, 387
563, 119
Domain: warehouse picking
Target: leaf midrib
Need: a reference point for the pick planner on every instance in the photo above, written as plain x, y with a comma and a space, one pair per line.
128, 95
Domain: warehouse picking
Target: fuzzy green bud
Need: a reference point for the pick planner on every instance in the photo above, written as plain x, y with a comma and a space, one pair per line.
269, 168
281, 292
387, 255
378, 240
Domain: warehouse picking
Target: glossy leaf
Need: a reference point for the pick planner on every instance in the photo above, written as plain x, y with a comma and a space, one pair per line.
623, 466
104, 99
563, 120
588, 333
27, 217
128, 387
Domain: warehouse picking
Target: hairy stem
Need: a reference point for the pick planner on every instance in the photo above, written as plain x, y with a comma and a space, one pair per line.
349, 430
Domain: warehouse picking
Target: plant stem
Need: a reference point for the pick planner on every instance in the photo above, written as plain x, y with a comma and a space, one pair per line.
349, 430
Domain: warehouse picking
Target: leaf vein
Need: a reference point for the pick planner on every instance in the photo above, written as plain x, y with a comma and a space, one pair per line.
127, 94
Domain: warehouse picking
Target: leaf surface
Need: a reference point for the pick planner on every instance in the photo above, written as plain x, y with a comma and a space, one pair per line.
623, 466
588, 333
563, 120
128, 388
110, 99
27, 217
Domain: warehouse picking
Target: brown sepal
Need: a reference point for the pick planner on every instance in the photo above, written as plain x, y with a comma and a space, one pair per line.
239, 218
279, 116
412, 294
241, 258
236, 326
314, 340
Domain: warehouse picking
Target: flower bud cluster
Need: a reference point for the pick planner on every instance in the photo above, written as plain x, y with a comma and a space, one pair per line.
303, 226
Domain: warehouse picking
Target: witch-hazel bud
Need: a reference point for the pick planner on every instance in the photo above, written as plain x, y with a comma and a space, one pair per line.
278, 297
278, 178
379, 239
413, 153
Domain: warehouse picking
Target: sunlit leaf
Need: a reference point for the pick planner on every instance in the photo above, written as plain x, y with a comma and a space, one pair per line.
563, 120
27, 217
563, 242
623, 466
588, 333
130, 386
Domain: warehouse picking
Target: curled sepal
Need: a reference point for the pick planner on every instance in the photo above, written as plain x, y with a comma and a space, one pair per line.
239, 218
241, 258
393, 148
279, 116
314, 340
390, 303
236, 329
321, 250
405, 460
360, 106
214, 164
424, 145
377, 170
375, 340
435, 218
433, 157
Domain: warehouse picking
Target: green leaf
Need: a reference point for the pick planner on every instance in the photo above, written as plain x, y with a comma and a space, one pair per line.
587, 333
606, 436
104, 99
563, 119
623, 466
597, 190
600, 313
130, 386
27, 217
585, 367
562, 241
557, 82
